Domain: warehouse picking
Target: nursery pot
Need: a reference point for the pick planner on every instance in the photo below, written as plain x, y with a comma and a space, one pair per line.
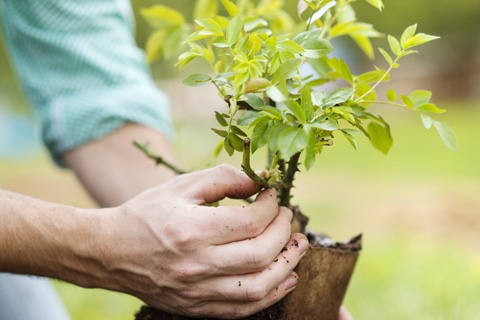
324, 273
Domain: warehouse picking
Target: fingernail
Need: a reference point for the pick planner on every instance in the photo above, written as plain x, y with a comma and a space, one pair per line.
302, 247
291, 282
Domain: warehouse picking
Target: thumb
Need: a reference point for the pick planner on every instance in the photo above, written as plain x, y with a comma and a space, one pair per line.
216, 183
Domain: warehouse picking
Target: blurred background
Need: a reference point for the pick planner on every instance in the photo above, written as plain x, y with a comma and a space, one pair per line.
418, 207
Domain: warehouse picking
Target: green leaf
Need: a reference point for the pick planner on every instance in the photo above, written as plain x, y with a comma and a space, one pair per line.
286, 70
154, 46
306, 104
260, 134
327, 125
345, 70
275, 94
290, 46
380, 137
160, 16
254, 100
394, 45
256, 84
430, 107
391, 96
419, 39
231, 8
407, 101
196, 80
205, 9
276, 131
234, 29
426, 120
252, 23
208, 23
420, 97
228, 147
386, 56
221, 133
238, 131
376, 3
314, 46
408, 33
272, 112
235, 141
350, 139
336, 97
447, 135
365, 44
291, 141
310, 150
247, 118
296, 110
220, 119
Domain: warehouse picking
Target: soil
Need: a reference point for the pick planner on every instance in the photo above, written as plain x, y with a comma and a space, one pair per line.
342, 255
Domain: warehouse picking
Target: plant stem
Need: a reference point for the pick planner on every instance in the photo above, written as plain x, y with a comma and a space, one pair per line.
331, 21
248, 169
382, 102
158, 159
288, 180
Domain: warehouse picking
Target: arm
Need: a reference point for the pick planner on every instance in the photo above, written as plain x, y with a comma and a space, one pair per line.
164, 246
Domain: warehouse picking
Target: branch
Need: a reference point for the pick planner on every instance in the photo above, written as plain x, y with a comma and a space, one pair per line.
248, 169
158, 159
288, 180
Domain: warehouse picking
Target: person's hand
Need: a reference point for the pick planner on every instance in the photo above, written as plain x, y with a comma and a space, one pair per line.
344, 314
176, 254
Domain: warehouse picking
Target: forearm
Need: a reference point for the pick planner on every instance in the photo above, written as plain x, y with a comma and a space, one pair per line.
46, 239
114, 171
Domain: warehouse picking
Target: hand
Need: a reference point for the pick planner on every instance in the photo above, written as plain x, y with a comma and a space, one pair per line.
176, 254
344, 314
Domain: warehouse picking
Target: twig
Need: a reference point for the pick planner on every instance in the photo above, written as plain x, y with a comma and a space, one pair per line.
248, 169
158, 159
288, 180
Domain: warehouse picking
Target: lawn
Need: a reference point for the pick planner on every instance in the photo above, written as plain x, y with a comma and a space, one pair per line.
418, 208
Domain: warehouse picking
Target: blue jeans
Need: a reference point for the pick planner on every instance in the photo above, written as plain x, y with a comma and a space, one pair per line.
29, 298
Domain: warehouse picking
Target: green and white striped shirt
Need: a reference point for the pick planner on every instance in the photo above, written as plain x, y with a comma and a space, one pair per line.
81, 69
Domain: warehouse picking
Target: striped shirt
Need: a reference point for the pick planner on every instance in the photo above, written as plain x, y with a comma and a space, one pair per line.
81, 70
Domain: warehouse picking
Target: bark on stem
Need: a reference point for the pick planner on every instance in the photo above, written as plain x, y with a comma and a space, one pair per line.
158, 159
288, 180
248, 169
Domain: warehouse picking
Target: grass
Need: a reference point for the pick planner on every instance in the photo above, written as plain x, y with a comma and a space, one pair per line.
418, 208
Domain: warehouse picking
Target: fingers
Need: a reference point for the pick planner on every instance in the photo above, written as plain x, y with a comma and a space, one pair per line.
211, 185
257, 253
344, 314
237, 310
235, 223
253, 286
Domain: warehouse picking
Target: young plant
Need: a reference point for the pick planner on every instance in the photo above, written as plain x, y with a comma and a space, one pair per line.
256, 55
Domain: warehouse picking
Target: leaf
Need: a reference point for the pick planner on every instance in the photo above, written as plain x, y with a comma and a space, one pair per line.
231, 8
419, 39
220, 119
320, 12
252, 23
430, 107
426, 120
391, 96
327, 125
420, 97
447, 135
260, 134
276, 131
208, 23
365, 44
256, 84
306, 104
272, 112
380, 137
376, 3
290, 46
160, 16
275, 94
314, 46
205, 9
408, 33
310, 150
238, 131
154, 46
221, 133
196, 80
386, 56
337, 96
350, 139
234, 29
394, 45
286, 70
296, 110
247, 118
407, 101
254, 100
291, 141
235, 141
228, 147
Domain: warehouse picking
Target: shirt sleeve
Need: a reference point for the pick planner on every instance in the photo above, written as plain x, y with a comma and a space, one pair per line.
81, 69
